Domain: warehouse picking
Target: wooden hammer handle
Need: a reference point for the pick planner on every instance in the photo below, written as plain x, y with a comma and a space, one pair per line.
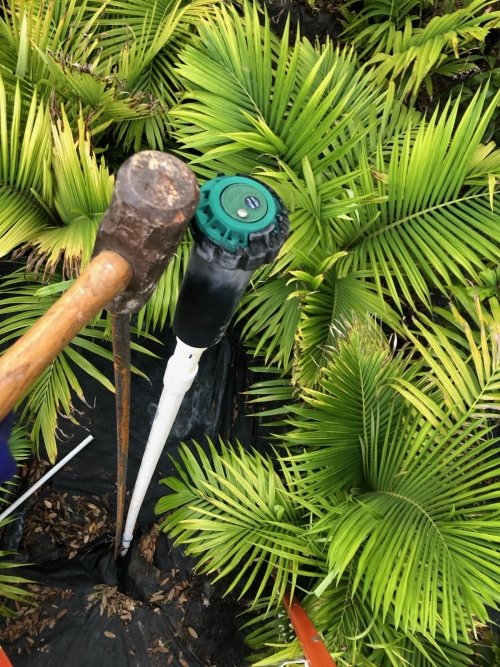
105, 277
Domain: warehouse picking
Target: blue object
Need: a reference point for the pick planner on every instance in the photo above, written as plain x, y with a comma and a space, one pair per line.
8, 465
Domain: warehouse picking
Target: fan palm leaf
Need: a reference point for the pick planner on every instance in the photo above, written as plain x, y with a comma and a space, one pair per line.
354, 383
423, 519
425, 533
250, 97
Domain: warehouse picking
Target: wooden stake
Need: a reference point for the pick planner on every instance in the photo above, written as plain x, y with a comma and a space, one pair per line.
121, 360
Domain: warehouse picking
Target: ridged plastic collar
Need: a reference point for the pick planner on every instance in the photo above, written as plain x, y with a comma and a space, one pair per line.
234, 207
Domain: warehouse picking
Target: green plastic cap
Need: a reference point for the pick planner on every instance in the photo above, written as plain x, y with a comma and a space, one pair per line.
233, 207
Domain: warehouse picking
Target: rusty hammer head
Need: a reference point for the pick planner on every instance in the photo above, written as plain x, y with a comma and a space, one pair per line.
154, 199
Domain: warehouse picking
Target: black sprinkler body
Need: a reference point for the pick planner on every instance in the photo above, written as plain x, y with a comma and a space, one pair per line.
239, 225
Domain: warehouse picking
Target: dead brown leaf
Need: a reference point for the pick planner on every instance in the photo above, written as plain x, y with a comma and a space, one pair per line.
32, 621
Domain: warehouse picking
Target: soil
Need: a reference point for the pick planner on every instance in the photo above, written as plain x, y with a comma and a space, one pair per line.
56, 525
320, 20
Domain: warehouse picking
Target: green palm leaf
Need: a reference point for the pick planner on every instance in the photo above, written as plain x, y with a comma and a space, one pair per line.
25, 181
82, 191
425, 532
22, 304
142, 38
412, 53
353, 634
246, 516
251, 97
9, 584
354, 383
431, 230
462, 365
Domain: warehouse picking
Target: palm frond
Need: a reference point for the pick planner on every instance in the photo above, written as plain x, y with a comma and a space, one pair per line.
463, 365
25, 182
295, 314
373, 29
411, 54
431, 230
9, 583
354, 383
146, 36
353, 635
20, 443
160, 308
426, 529
334, 300
22, 304
245, 515
251, 98
82, 191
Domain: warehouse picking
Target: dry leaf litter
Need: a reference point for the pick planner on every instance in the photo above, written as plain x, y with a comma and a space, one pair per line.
113, 603
31, 620
68, 522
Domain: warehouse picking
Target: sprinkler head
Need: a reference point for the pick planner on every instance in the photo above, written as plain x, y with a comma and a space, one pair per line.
239, 225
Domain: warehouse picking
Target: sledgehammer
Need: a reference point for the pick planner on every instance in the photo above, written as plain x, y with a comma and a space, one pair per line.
154, 199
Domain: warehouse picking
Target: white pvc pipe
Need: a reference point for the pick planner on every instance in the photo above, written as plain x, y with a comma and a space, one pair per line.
43, 479
181, 370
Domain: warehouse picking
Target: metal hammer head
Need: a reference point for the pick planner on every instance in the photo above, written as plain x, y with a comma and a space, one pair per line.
154, 199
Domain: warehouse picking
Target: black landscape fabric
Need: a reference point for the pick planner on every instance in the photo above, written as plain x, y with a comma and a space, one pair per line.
151, 608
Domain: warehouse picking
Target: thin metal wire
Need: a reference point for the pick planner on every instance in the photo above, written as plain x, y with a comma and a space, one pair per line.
120, 327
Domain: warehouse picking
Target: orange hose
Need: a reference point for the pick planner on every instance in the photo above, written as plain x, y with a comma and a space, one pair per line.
315, 652
4, 660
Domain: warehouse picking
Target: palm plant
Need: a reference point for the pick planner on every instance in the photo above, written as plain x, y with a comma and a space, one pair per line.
409, 53
385, 204
21, 447
10, 583
383, 506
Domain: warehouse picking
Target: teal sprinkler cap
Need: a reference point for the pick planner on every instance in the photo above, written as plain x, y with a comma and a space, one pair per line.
233, 207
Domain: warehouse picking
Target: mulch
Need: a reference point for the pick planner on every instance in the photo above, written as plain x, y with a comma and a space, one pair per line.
64, 523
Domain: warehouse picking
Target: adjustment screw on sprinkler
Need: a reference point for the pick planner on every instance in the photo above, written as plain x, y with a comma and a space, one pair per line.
252, 202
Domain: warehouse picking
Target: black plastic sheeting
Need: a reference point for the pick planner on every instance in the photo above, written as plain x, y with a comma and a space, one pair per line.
213, 406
